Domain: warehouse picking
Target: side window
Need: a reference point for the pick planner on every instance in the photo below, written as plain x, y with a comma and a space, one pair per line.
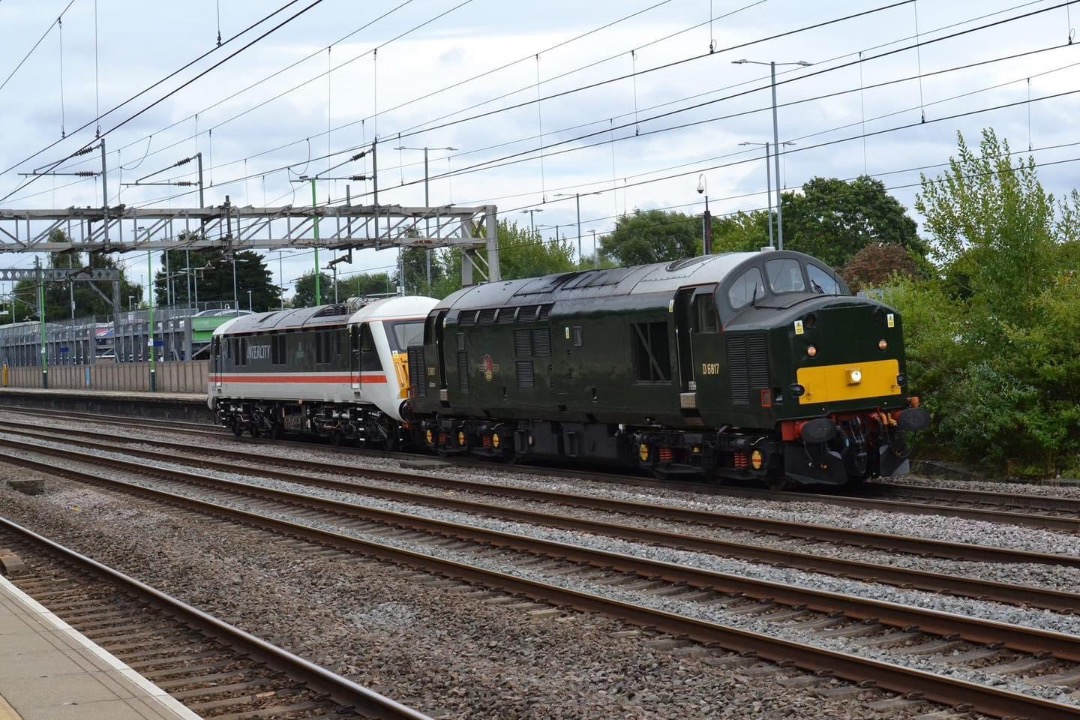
746, 288
369, 355
821, 281
785, 275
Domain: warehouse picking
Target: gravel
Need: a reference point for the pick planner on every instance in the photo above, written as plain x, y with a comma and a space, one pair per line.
992, 611
425, 644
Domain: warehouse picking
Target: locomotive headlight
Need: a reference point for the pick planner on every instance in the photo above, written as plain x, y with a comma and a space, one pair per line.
811, 351
901, 380
882, 344
797, 390
854, 377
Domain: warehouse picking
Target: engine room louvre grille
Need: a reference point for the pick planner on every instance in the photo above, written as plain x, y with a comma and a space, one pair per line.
506, 315
463, 371
525, 377
416, 371
737, 370
748, 366
467, 317
541, 340
527, 313
545, 312
522, 343
757, 357
487, 317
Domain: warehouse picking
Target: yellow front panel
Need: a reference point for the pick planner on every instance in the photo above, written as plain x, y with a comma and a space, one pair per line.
832, 383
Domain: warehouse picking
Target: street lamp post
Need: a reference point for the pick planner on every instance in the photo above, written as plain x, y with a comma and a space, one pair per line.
427, 202
768, 181
595, 255
532, 222
706, 219
250, 308
776, 142
577, 200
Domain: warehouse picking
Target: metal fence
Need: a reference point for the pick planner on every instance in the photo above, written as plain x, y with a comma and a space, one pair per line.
172, 377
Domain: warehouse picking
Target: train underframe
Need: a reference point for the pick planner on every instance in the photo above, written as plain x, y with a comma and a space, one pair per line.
835, 450
341, 423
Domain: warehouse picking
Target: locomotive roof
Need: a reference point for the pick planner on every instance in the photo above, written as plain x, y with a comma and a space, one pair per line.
635, 280
328, 315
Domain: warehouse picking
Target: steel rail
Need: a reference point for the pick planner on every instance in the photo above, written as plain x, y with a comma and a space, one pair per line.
1016, 637
341, 689
887, 676
860, 538
1069, 521
931, 581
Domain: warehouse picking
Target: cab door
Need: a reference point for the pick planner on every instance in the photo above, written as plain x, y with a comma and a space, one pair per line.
354, 357
218, 363
710, 367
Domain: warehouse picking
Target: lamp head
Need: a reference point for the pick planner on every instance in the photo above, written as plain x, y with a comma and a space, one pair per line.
701, 184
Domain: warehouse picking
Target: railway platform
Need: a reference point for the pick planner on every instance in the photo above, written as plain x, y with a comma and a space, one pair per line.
49, 671
161, 405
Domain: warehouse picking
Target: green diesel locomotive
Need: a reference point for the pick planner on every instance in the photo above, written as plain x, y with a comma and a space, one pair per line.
742, 365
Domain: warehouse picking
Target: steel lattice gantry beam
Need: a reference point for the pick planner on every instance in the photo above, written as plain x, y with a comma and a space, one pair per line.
130, 229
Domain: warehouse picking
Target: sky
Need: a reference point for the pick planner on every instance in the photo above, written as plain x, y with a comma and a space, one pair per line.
640, 101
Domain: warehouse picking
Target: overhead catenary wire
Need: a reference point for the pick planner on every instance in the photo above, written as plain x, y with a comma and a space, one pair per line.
35, 46
216, 65
800, 101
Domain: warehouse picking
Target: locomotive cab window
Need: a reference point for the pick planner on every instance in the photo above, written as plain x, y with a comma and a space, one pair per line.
785, 275
821, 281
746, 289
705, 314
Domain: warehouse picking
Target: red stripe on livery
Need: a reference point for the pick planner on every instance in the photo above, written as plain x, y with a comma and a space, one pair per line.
303, 380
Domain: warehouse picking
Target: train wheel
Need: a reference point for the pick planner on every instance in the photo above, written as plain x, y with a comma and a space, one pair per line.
336, 436
237, 428
255, 432
275, 431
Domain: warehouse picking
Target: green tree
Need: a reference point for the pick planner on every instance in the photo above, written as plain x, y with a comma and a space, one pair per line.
414, 260
304, 291
989, 338
652, 236
832, 219
522, 254
365, 285
993, 228
741, 232
211, 276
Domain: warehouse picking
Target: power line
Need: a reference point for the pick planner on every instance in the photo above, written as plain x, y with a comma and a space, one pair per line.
39, 41
154, 85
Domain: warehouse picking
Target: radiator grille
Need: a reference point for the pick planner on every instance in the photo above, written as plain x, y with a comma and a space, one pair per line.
522, 343
748, 366
541, 341
467, 317
463, 371
487, 317
416, 371
525, 376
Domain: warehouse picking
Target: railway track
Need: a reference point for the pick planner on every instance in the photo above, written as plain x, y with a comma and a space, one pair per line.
1051, 513
1028, 596
208, 665
310, 517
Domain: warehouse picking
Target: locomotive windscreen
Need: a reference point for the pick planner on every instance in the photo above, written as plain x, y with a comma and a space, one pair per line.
406, 333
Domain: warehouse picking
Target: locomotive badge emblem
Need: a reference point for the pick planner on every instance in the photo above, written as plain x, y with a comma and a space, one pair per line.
488, 367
